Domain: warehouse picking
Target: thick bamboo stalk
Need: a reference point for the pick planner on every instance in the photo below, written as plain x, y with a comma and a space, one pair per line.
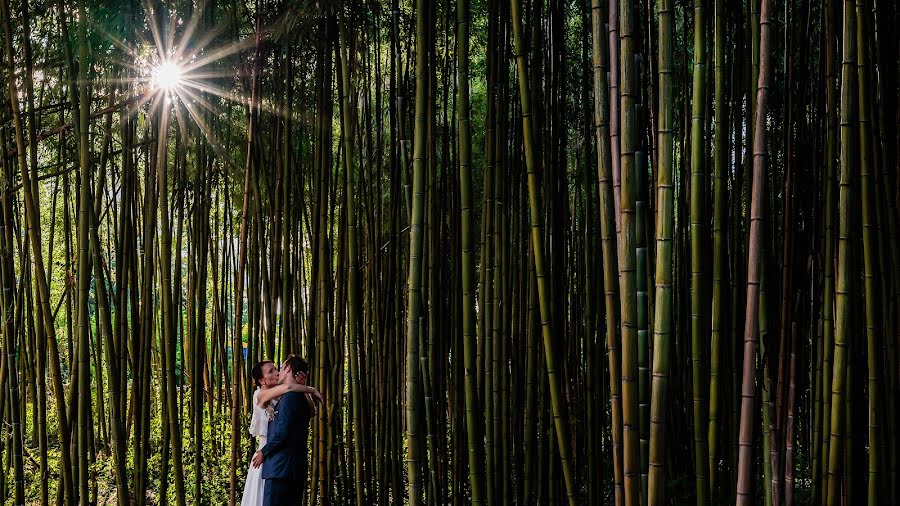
608, 239
663, 322
473, 434
717, 315
83, 412
697, 238
416, 238
628, 146
751, 322
842, 295
870, 254
821, 471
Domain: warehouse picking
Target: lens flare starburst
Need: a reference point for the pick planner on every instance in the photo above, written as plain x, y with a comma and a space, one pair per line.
175, 67
167, 76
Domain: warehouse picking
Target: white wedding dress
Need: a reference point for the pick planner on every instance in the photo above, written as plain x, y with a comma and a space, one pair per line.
254, 487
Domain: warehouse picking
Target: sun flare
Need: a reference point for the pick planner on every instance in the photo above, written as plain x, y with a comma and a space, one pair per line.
167, 75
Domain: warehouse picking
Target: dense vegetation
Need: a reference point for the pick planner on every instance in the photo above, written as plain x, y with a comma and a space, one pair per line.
536, 251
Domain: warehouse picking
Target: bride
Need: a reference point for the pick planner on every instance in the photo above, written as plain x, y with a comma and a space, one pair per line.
265, 375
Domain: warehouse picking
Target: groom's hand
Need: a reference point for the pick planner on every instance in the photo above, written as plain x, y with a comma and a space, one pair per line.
257, 459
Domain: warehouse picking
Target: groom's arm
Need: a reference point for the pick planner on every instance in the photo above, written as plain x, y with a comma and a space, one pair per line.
287, 411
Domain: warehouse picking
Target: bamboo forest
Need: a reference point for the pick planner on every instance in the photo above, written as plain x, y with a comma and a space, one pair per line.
510, 252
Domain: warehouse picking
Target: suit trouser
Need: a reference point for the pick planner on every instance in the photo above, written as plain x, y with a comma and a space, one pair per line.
280, 492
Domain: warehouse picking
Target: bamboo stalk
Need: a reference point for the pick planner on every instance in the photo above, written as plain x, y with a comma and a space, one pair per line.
751, 322
717, 315
871, 251
608, 238
665, 225
557, 401
841, 328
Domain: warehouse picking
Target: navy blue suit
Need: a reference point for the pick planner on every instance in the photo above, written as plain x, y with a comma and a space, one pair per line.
284, 462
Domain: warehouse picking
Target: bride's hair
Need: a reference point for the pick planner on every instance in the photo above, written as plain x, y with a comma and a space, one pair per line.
257, 372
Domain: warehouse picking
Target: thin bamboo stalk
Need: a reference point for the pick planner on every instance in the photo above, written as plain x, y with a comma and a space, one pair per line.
558, 402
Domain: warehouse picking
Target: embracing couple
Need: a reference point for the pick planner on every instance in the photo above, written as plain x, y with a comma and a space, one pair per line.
282, 406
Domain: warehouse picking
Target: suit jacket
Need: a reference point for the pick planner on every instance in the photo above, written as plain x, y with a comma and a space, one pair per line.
285, 450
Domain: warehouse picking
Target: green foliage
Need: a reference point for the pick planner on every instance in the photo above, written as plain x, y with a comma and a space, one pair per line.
214, 472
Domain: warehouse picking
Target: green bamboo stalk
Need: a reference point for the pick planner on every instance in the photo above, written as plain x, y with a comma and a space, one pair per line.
557, 400
608, 237
416, 237
821, 470
464, 139
490, 306
720, 153
842, 300
665, 225
84, 275
697, 198
492, 384
870, 254
353, 309
488, 286
628, 144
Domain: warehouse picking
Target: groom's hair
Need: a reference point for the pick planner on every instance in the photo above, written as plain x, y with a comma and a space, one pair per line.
297, 364
257, 372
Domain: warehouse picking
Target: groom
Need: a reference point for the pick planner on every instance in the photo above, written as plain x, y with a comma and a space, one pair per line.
284, 455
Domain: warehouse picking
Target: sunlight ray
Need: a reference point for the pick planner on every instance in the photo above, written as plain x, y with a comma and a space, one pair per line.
208, 132
208, 88
197, 76
118, 42
196, 97
154, 31
205, 38
219, 53
189, 29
